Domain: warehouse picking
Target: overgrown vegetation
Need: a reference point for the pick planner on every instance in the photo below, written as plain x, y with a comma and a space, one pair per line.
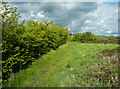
105, 72
21, 44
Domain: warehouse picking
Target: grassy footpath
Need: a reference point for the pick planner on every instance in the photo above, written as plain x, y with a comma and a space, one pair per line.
63, 67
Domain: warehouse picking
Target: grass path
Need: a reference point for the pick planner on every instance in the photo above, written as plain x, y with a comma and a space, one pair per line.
61, 67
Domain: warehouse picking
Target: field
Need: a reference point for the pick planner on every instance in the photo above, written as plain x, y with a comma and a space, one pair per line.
71, 65
40, 52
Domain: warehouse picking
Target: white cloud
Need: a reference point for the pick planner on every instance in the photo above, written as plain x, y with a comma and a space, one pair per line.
87, 28
40, 15
69, 5
98, 17
99, 2
104, 19
32, 15
88, 21
109, 31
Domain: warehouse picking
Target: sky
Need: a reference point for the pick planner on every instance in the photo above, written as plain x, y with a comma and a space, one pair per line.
100, 18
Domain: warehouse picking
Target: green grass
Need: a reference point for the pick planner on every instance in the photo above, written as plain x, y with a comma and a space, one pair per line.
64, 67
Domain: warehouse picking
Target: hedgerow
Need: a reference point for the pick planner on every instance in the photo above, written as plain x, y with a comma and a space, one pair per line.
23, 44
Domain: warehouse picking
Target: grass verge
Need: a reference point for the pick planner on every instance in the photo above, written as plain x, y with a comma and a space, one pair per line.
71, 65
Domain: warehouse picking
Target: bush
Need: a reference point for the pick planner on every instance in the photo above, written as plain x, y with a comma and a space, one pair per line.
77, 37
24, 44
85, 37
111, 38
88, 37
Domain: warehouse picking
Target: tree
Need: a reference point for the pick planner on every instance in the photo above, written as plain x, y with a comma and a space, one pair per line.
86, 37
77, 37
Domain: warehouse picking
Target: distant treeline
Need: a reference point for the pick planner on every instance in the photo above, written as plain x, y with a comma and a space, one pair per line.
89, 37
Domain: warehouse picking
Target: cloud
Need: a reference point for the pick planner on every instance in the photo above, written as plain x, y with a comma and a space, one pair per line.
109, 31
88, 21
99, 18
40, 15
104, 19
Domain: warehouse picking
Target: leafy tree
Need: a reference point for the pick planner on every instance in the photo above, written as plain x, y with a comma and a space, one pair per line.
77, 37
87, 36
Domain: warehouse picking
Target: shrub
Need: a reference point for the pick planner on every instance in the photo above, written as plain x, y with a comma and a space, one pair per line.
22, 44
85, 37
77, 37
89, 37
111, 38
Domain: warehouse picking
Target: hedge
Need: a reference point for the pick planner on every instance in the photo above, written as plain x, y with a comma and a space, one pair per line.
23, 44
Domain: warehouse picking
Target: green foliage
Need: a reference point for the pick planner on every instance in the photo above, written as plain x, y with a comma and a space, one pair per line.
89, 37
77, 37
108, 37
21, 44
111, 37
118, 37
85, 37
69, 38
9, 40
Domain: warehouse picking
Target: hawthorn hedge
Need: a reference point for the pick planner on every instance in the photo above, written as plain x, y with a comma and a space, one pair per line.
23, 44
